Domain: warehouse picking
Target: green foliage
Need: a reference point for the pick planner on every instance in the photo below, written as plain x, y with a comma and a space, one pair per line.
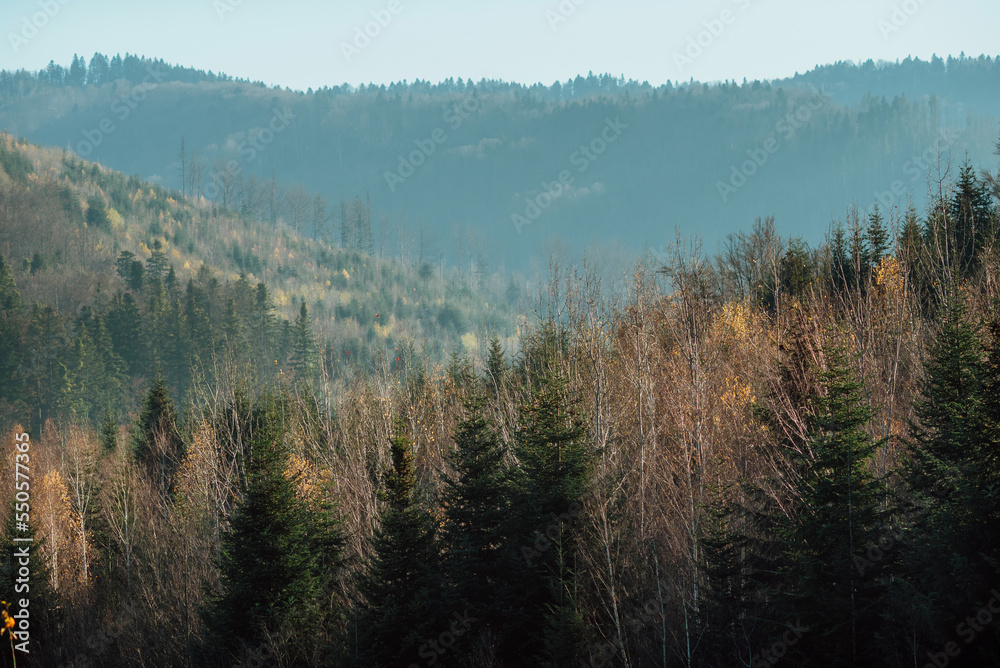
17, 165
841, 511
400, 586
156, 441
554, 465
97, 214
279, 556
476, 498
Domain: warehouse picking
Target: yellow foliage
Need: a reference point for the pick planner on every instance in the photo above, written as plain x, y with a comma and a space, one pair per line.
469, 341
736, 321
889, 275
114, 218
59, 524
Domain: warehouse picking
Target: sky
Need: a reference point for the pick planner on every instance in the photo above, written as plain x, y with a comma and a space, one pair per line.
312, 43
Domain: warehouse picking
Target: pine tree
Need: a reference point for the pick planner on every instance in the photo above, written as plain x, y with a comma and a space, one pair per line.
304, 347
840, 514
156, 441
278, 557
877, 237
553, 469
476, 502
400, 586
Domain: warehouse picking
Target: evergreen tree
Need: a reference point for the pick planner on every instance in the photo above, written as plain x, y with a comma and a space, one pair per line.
973, 219
841, 512
476, 503
156, 441
304, 347
553, 468
10, 335
279, 558
97, 215
400, 586
125, 328
877, 237
10, 298
952, 557
157, 264
109, 431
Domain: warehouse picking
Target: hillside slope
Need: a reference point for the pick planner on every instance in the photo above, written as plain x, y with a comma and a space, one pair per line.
106, 278
492, 172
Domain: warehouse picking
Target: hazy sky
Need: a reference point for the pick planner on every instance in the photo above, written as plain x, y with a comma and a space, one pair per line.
302, 43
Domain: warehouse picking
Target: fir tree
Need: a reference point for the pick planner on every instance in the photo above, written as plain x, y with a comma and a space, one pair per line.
278, 557
553, 468
841, 512
303, 347
877, 237
156, 441
476, 503
400, 585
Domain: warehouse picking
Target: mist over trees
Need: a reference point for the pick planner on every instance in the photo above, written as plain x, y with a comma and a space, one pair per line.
474, 166
249, 446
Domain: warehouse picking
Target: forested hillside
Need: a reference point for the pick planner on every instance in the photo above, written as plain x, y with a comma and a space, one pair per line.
493, 172
111, 280
781, 452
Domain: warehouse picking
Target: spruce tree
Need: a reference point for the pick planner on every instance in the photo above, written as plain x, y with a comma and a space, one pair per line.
476, 502
553, 469
952, 556
840, 513
878, 240
156, 441
398, 617
303, 347
279, 557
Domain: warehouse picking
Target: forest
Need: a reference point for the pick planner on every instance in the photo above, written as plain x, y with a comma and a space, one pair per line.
863, 130
780, 452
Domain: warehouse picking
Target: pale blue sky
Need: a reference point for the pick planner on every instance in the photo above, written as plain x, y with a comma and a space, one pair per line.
298, 43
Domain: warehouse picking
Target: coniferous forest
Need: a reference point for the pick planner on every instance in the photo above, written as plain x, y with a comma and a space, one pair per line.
777, 453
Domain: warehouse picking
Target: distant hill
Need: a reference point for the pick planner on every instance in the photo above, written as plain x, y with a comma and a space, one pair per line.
105, 278
471, 172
